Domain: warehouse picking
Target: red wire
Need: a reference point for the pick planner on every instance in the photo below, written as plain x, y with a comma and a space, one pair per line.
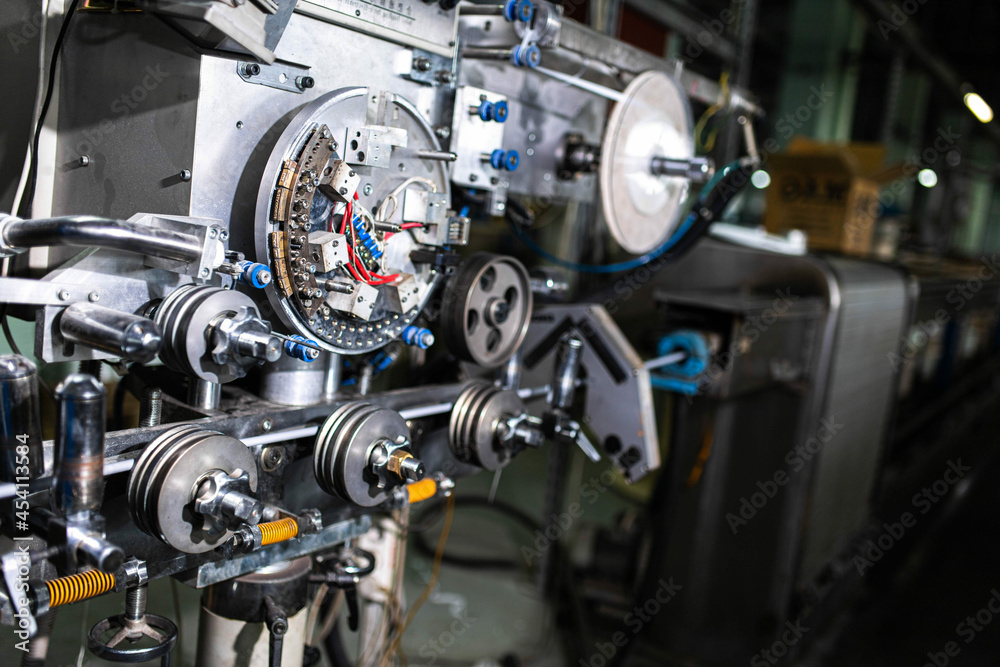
411, 225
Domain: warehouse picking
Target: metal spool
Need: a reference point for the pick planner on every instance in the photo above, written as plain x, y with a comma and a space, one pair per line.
343, 445
653, 120
487, 309
163, 483
185, 317
472, 430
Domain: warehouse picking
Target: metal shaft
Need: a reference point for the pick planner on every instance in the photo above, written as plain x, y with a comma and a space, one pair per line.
121, 334
20, 417
90, 231
697, 169
440, 156
204, 394
567, 369
79, 445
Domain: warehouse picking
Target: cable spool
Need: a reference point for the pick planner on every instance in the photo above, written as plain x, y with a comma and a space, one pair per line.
487, 309
163, 483
343, 447
472, 430
652, 121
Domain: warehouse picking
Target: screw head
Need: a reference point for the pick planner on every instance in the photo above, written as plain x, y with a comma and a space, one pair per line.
185, 175
84, 160
266, 425
63, 295
93, 297
368, 189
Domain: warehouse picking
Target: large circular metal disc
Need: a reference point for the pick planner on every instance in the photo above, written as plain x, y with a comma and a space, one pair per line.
472, 431
653, 119
339, 110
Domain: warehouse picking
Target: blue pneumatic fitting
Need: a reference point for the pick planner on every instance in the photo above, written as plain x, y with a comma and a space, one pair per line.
500, 111
296, 350
418, 336
526, 56
519, 10
488, 111
254, 274
506, 160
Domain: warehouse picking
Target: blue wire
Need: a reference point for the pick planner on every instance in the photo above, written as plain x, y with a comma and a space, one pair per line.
638, 261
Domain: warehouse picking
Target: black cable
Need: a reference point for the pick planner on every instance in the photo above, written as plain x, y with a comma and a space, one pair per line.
335, 649
29, 194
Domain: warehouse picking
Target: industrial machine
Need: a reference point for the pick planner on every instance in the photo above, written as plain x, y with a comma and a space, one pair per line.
268, 222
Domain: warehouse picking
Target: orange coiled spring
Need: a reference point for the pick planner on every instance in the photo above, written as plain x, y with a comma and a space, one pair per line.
278, 531
76, 587
422, 490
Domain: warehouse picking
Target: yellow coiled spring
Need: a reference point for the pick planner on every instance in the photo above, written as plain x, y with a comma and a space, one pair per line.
76, 587
278, 531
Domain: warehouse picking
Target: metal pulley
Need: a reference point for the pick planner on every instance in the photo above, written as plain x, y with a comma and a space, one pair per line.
192, 488
215, 334
362, 452
489, 425
487, 309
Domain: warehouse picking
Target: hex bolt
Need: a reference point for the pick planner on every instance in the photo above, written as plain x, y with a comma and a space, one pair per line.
444, 76
151, 408
422, 64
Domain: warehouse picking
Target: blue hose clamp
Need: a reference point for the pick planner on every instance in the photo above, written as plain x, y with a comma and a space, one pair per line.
294, 349
519, 10
254, 274
526, 56
418, 337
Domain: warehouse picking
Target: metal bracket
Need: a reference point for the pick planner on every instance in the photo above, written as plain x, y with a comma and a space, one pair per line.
431, 69
280, 75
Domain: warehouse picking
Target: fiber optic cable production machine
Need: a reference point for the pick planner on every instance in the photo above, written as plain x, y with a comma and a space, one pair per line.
274, 225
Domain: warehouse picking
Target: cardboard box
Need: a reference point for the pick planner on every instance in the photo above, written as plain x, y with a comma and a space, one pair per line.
830, 192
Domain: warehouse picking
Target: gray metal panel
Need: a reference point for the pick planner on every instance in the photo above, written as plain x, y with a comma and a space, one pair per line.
129, 90
19, 24
873, 316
